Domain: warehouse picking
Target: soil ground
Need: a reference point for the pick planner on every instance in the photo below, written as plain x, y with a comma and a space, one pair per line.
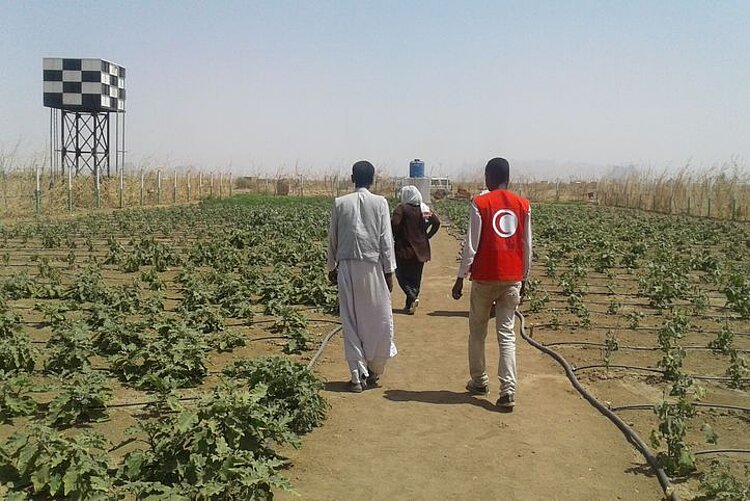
420, 435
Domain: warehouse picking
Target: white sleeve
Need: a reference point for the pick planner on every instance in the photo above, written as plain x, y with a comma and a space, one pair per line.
333, 239
528, 251
471, 243
387, 255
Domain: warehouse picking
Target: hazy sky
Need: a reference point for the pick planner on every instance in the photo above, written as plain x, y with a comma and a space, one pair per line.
269, 85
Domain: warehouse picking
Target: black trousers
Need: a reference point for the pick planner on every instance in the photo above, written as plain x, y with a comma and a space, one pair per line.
409, 276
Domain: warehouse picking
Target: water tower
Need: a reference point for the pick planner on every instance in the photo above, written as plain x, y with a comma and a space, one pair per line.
418, 179
81, 94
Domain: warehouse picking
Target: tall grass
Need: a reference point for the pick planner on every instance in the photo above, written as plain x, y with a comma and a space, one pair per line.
722, 193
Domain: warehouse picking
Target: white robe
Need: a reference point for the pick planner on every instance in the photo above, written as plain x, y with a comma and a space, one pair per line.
366, 317
360, 245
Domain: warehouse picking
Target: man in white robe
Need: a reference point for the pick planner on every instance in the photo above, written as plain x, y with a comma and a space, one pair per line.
361, 262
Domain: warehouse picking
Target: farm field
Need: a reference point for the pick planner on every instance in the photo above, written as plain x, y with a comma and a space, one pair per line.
160, 353
653, 314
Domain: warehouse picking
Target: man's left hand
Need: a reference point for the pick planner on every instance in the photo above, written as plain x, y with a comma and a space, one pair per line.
389, 281
457, 290
523, 290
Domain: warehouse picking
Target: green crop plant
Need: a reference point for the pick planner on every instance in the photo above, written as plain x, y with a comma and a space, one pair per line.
724, 342
614, 307
699, 301
737, 372
288, 319
70, 348
206, 319
673, 330
671, 362
634, 319
176, 354
720, 484
737, 291
550, 266
19, 286
217, 450
678, 459
54, 314
16, 353
577, 307
298, 340
48, 464
555, 321
15, 396
81, 399
87, 287
291, 387
225, 340
611, 345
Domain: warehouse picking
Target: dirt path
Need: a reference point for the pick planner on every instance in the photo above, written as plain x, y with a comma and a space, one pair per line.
421, 436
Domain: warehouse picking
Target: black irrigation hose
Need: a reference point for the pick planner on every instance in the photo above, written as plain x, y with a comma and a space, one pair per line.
613, 366
635, 348
723, 451
560, 302
637, 329
651, 369
649, 407
629, 434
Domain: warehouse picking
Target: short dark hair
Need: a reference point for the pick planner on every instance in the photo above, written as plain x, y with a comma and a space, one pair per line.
363, 173
498, 169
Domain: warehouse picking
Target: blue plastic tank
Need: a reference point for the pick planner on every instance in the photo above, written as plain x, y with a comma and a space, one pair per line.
416, 168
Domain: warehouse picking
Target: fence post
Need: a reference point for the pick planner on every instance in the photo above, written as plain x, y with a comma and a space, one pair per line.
174, 188
709, 206
221, 184
734, 208
158, 187
122, 185
37, 193
70, 189
211, 186
200, 184
5, 190
142, 174
188, 186
688, 205
97, 187
230, 185
653, 203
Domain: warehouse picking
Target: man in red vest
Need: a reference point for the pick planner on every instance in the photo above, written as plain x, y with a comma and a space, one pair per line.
497, 253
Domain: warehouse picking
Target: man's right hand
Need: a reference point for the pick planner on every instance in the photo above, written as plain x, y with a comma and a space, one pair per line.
389, 281
333, 277
458, 287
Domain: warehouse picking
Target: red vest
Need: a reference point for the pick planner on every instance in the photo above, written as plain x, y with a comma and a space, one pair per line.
502, 244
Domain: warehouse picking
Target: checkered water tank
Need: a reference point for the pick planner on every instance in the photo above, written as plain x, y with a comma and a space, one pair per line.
87, 84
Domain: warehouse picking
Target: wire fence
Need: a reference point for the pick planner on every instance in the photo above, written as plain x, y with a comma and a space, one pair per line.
31, 191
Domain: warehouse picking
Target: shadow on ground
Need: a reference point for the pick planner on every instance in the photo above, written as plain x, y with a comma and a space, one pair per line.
449, 313
438, 397
336, 386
